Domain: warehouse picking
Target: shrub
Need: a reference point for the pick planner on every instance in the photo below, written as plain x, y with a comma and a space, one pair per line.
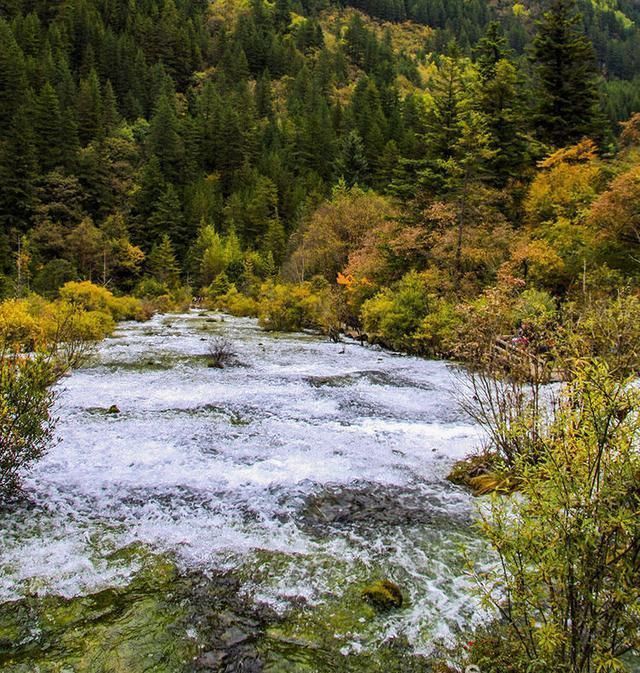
568, 546
90, 297
236, 303
221, 352
149, 288
26, 424
18, 328
289, 308
392, 316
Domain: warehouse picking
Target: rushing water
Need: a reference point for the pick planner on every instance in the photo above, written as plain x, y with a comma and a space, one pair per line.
309, 466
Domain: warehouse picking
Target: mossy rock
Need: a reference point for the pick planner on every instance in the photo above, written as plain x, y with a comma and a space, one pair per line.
482, 474
383, 595
113, 409
134, 629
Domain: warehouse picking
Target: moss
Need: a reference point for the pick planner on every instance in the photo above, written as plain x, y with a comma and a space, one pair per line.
383, 595
135, 629
482, 474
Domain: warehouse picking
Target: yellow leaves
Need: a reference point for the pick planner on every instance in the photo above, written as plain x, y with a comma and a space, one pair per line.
519, 9
536, 260
84, 312
630, 135
584, 152
18, 328
337, 228
615, 211
565, 190
90, 297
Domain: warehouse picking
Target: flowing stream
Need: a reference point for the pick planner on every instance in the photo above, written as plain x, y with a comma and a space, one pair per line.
307, 469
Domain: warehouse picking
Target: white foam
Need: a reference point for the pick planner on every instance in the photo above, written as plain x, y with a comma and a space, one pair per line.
213, 464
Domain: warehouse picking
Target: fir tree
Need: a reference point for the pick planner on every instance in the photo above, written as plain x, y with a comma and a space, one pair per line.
564, 61
18, 172
162, 263
49, 129
168, 219
352, 165
13, 83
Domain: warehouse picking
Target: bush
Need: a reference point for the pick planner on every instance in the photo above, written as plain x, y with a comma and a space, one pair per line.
150, 288
90, 297
290, 308
236, 303
18, 328
568, 546
26, 424
393, 316
221, 352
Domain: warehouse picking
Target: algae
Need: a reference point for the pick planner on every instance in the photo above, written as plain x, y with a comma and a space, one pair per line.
140, 628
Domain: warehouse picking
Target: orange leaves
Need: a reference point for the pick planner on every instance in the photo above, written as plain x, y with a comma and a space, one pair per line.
585, 151
615, 214
346, 281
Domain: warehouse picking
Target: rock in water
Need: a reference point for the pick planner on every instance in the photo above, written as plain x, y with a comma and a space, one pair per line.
383, 595
113, 409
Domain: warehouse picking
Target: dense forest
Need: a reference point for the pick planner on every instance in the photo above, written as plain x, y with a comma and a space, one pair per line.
147, 145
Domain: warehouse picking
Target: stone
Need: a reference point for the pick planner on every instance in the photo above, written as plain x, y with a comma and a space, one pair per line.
383, 595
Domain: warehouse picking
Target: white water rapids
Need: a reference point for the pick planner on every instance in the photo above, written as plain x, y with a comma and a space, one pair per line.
218, 466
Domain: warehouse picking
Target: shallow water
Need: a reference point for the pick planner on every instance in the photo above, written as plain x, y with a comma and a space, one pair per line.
308, 467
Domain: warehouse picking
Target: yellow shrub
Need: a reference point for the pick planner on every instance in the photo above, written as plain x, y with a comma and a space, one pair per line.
86, 295
18, 328
90, 297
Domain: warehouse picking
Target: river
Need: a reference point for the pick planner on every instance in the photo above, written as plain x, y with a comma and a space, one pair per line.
306, 469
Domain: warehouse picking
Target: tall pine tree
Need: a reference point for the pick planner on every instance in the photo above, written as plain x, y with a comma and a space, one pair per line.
567, 96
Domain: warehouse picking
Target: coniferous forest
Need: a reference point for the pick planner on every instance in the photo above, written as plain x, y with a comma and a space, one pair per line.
446, 190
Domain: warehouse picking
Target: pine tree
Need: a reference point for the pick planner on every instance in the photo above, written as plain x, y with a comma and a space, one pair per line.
110, 115
162, 263
89, 109
168, 218
164, 139
499, 99
491, 49
567, 93
18, 171
352, 165
264, 97
49, 129
13, 82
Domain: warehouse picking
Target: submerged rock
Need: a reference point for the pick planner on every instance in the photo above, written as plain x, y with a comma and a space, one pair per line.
367, 504
383, 595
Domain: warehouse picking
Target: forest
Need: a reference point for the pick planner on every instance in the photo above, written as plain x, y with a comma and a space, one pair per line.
452, 180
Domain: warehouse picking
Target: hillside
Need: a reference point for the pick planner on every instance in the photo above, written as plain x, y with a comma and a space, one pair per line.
136, 143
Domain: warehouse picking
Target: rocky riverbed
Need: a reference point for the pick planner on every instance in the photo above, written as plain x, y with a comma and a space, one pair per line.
197, 518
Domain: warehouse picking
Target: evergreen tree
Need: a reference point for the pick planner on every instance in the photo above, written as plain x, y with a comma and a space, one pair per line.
49, 130
110, 114
165, 142
567, 95
168, 219
162, 263
13, 82
499, 99
352, 165
18, 172
89, 109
